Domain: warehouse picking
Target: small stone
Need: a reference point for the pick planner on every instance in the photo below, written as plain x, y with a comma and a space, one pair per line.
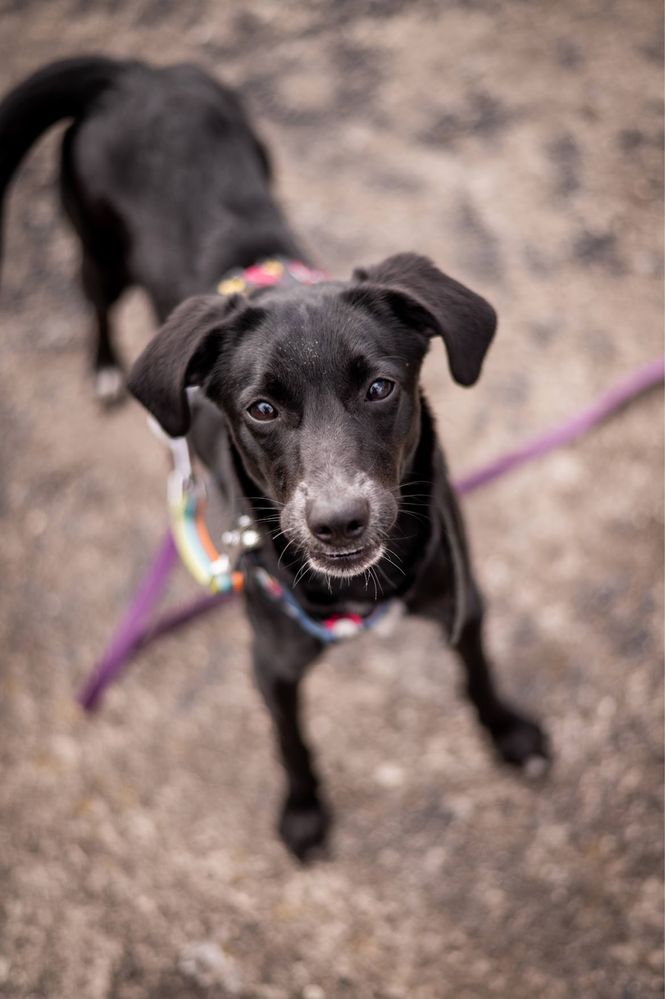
109, 385
389, 775
313, 991
536, 767
205, 963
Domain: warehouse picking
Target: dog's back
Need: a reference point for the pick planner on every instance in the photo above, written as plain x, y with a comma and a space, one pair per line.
171, 153
161, 170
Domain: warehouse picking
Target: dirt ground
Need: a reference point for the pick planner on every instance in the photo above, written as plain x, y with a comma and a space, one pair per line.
518, 144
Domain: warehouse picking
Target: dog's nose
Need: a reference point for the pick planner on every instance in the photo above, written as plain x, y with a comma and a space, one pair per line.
340, 522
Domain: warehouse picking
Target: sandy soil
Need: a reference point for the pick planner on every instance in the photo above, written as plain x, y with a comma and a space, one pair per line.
520, 146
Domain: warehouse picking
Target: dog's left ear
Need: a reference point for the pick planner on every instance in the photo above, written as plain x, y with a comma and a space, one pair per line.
420, 296
184, 353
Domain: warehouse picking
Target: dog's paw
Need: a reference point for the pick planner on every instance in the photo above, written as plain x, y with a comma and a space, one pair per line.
304, 825
109, 386
522, 743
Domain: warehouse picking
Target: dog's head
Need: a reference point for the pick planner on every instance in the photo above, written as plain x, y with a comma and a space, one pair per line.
319, 386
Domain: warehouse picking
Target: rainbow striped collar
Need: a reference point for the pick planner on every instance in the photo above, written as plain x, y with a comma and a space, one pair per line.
216, 570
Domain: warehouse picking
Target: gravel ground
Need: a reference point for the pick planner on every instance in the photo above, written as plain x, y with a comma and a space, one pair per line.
520, 146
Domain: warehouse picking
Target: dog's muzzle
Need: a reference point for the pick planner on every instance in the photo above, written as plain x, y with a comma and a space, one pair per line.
340, 530
348, 563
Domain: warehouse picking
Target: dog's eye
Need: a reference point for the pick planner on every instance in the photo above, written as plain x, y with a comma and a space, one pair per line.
262, 410
380, 389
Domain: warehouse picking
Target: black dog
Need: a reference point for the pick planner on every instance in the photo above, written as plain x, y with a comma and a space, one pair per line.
310, 411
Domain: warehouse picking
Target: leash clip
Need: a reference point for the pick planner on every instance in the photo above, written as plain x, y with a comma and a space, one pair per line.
243, 536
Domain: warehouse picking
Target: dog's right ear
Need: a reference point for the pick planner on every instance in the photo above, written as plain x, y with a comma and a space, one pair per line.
183, 353
425, 299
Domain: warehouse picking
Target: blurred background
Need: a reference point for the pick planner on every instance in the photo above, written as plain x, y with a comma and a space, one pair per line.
520, 146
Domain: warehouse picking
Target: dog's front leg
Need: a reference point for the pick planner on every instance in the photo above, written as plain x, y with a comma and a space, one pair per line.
281, 653
304, 818
518, 739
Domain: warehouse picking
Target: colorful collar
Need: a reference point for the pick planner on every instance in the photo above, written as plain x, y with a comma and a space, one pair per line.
215, 570
331, 629
266, 273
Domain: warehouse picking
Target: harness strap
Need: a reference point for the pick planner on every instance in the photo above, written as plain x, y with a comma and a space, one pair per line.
332, 629
186, 505
195, 546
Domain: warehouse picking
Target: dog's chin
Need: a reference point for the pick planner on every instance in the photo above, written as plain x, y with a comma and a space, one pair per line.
344, 565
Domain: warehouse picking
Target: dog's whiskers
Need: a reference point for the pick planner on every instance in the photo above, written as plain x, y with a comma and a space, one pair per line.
291, 542
265, 499
405, 486
416, 516
377, 584
304, 569
394, 564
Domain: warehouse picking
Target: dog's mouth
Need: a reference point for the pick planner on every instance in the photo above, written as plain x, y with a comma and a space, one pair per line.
351, 562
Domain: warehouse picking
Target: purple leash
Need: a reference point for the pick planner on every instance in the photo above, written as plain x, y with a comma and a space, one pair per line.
640, 381
132, 627
136, 631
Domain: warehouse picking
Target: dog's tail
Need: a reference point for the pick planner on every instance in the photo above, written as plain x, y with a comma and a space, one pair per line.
63, 89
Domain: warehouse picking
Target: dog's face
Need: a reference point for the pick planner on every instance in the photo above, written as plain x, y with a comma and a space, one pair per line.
322, 403
319, 386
